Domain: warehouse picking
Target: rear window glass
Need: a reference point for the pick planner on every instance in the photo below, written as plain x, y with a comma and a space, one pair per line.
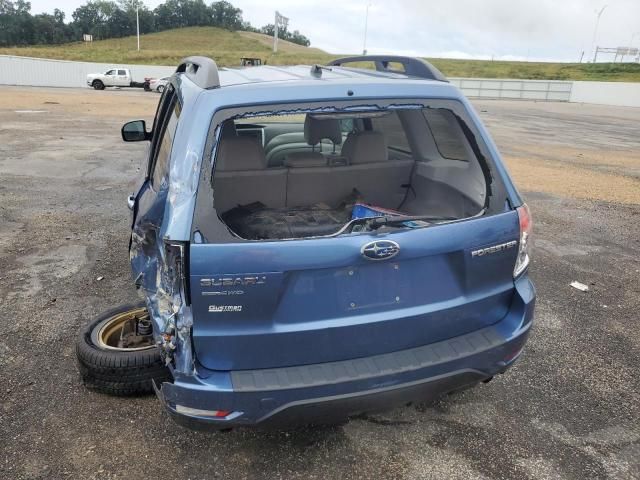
447, 133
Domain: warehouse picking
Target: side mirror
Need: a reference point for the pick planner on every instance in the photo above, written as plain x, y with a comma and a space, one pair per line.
135, 131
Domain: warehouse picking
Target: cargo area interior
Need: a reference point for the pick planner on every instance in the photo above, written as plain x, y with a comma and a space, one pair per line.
297, 176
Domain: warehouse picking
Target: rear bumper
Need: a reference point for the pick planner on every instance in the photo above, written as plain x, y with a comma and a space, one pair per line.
326, 393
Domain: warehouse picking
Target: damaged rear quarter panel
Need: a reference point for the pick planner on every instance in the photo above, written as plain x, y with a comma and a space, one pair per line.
162, 221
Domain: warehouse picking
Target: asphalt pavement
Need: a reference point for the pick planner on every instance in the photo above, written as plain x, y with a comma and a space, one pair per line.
569, 409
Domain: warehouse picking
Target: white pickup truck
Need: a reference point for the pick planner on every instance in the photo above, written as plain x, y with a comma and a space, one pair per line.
115, 77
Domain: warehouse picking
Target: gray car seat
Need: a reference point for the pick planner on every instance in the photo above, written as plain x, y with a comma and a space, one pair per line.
241, 176
320, 135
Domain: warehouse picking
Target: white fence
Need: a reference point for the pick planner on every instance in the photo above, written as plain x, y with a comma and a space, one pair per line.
59, 73
38, 72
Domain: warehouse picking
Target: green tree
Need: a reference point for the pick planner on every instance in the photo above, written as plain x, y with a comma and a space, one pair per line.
146, 16
285, 34
93, 18
120, 24
16, 23
108, 18
225, 15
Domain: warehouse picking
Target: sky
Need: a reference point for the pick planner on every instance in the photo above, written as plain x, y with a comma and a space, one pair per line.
545, 30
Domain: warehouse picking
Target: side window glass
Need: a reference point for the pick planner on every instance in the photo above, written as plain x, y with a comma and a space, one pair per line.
393, 131
346, 125
161, 166
111, 72
447, 133
164, 105
121, 72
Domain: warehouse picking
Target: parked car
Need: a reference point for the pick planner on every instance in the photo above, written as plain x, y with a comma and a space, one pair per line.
310, 250
158, 84
115, 77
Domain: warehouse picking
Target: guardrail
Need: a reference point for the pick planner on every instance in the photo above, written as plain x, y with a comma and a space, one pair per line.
541, 90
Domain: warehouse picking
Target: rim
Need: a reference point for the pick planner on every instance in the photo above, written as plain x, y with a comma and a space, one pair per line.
126, 331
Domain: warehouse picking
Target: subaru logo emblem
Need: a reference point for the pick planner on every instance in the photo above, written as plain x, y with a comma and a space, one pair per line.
380, 250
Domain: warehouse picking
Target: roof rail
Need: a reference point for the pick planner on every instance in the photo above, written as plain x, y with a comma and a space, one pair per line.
202, 71
413, 67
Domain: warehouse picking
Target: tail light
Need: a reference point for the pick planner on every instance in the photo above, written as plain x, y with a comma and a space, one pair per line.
196, 412
524, 245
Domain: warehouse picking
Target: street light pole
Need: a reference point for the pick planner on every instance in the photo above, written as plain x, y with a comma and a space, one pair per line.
366, 26
595, 34
138, 25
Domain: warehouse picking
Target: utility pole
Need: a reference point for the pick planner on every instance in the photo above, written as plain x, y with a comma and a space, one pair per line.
138, 25
595, 34
366, 26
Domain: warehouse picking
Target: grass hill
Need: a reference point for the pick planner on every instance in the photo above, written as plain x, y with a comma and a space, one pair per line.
168, 47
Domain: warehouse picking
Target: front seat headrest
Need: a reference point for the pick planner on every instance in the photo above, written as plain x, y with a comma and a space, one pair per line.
365, 147
239, 154
317, 129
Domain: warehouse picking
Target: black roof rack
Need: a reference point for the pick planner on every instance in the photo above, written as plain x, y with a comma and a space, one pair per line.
413, 67
202, 71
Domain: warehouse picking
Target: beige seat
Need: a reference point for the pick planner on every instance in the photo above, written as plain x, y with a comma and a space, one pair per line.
241, 175
365, 147
315, 131
369, 170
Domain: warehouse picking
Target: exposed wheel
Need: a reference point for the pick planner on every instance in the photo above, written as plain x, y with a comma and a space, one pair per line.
98, 85
160, 88
117, 355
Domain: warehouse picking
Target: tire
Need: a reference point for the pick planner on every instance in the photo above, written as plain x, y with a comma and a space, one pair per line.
119, 372
98, 85
160, 88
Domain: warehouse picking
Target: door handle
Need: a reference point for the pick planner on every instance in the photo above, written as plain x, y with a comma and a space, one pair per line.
131, 202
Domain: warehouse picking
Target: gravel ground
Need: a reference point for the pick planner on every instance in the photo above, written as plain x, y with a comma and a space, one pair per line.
568, 409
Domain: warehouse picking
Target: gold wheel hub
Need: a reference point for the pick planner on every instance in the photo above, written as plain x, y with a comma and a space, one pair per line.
129, 331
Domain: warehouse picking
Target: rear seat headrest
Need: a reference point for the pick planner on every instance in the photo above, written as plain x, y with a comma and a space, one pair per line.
316, 130
240, 154
365, 147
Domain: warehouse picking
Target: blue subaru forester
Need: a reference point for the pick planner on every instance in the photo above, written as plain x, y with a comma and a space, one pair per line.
318, 242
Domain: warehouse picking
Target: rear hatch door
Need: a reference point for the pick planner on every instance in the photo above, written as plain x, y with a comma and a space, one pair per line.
266, 304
